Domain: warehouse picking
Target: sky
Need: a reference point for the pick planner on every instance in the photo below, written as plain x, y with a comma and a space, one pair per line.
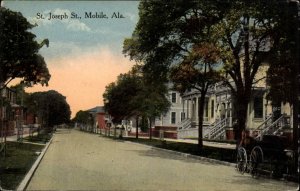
85, 51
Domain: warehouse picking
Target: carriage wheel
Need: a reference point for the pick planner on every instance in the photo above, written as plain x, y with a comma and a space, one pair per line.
241, 160
256, 158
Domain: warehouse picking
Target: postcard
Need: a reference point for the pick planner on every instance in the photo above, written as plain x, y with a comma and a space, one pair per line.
114, 95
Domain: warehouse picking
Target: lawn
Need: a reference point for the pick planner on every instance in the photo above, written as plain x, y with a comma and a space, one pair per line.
39, 138
17, 162
223, 154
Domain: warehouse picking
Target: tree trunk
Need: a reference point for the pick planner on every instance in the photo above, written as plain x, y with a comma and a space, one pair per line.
242, 111
150, 129
137, 127
200, 119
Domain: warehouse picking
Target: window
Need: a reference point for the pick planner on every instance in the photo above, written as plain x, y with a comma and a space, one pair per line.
173, 118
173, 97
212, 108
258, 107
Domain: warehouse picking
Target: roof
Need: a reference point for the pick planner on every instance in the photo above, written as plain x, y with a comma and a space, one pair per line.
97, 109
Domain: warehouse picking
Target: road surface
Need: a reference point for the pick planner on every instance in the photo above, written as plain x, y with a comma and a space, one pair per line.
81, 161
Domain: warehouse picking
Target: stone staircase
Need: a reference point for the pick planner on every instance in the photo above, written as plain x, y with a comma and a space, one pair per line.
185, 124
272, 128
217, 130
187, 129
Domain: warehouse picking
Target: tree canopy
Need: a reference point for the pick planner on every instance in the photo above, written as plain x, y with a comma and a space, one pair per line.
54, 112
198, 71
83, 117
282, 72
118, 96
131, 96
19, 57
243, 32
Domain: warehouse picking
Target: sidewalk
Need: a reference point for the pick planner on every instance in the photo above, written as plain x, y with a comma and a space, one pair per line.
192, 141
206, 143
15, 137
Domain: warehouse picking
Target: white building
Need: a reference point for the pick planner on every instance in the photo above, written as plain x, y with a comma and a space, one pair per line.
219, 114
175, 115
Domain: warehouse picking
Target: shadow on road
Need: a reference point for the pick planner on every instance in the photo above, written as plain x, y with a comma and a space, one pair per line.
170, 156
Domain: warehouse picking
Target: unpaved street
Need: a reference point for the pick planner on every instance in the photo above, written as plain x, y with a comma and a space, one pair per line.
83, 161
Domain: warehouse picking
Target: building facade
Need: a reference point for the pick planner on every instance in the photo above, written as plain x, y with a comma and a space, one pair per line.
8, 113
264, 117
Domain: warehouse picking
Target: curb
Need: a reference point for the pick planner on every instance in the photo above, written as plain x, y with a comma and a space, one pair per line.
190, 156
186, 155
27, 178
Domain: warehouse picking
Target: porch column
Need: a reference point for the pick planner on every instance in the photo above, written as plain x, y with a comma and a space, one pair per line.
196, 108
183, 110
230, 113
187, 109
193, 109
226, 109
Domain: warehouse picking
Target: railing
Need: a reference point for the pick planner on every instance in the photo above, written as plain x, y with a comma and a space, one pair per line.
214, 123
274, 128
186, 123
219, 133
216, 129
266, 123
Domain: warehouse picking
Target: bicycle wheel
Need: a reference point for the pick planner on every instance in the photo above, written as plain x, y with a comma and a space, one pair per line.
241, 160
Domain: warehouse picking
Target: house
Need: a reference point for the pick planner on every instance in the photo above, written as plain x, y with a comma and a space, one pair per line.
264, 117
100, 118
9, 112
167, 124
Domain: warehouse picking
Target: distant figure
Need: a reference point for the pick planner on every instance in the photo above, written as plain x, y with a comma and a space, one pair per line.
246, 141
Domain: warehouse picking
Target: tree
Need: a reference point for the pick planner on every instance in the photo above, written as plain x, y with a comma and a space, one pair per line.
19, 56
82, 117
118, 97
54, 112
283, 74
151, 101
242, 30
132, 96
197, 71
22, 95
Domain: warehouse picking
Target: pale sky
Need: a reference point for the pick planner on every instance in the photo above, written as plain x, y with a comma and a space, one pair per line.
85, 54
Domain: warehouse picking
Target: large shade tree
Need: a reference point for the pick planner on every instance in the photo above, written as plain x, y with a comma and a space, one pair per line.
19, 57
197, 71
283, 74
50, 113
118, 95
82, 117
242, 30
132, 96
151, 101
